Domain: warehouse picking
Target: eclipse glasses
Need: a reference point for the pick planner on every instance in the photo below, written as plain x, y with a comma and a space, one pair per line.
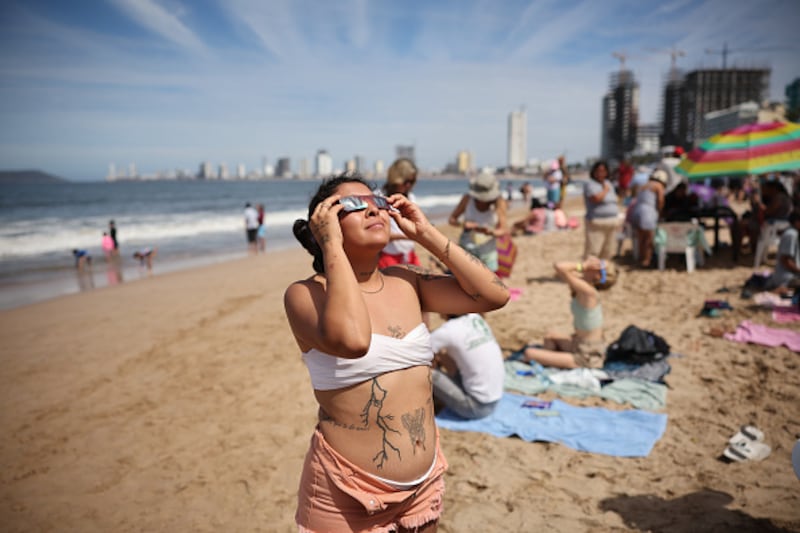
362, 201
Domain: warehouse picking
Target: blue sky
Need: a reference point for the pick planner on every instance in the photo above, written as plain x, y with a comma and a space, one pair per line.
167, 84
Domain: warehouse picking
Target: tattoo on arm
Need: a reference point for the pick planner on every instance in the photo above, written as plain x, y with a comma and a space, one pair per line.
377, 396
415, 425
446, 254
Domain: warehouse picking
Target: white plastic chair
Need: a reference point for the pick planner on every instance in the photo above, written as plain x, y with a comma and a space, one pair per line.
770, 235
682, 237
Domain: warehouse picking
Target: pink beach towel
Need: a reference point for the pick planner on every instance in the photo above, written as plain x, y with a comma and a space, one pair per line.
786, 315
764, 335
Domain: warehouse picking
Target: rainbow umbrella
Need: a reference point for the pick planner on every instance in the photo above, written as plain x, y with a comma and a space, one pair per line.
748, 149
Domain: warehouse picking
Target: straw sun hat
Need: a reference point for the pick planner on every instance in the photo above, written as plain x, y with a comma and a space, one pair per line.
484, 187
660, 176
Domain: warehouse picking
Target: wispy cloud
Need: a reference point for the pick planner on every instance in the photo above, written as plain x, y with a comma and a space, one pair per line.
152, 16
241, 79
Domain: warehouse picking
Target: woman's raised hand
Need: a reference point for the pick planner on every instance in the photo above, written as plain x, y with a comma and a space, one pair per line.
324, 221
409, 216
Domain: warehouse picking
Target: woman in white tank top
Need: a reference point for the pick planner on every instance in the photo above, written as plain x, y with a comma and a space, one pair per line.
484, 218
374, 459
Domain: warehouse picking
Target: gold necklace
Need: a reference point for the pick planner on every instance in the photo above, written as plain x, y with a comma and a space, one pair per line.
379, 289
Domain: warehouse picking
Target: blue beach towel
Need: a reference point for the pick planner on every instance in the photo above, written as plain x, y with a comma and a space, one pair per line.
629, 433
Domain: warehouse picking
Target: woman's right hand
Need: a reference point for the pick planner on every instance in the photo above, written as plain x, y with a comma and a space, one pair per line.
324, 221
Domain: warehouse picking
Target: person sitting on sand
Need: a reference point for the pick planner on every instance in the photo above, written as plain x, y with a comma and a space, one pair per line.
374, 461
585, 347
786, 276
534, 222
470, 373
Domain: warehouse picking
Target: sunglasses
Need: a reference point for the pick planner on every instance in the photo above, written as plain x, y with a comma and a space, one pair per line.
362, 201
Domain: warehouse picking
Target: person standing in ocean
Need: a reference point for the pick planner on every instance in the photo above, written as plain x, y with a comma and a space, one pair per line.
112, 232
251, 227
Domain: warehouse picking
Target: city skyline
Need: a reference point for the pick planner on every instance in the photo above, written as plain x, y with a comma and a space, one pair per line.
166, 85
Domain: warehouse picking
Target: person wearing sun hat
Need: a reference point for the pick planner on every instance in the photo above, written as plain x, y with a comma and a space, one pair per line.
647, 211
482, 215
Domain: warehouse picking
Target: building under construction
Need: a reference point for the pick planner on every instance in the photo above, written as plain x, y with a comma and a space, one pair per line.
688, 98
620, 116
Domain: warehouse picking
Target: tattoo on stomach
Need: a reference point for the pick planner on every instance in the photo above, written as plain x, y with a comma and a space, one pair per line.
415, 425
413, 422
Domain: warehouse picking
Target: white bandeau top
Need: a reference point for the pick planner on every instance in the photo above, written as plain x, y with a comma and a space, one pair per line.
385, 354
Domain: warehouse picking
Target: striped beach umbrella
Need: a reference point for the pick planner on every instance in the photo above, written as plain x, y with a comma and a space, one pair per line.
748, 149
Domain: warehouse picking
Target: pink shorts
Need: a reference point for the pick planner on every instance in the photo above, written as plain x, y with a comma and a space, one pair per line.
336, 495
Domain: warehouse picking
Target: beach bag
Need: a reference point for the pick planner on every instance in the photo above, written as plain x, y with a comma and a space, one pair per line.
636, 345
506, 255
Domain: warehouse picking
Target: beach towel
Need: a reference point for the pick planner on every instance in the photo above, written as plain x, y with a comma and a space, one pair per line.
765, 335
506, 255
535, 379
630, 433
785, 315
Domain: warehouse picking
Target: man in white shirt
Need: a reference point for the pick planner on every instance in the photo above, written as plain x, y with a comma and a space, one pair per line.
467, 349
251, 227
787, 265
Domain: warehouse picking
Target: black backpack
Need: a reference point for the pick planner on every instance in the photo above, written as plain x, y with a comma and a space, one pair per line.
636, 345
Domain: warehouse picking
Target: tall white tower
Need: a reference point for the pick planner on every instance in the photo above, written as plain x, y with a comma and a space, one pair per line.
517, 138
324, 164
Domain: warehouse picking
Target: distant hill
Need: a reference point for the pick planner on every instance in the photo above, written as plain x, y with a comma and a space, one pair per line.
28, 176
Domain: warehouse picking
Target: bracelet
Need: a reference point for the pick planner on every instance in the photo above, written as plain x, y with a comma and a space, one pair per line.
579, 267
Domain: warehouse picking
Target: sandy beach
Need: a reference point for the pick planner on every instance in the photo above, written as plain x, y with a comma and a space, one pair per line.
180, 403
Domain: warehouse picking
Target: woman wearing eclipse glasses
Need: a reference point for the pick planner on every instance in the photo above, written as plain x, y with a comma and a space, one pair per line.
374, 461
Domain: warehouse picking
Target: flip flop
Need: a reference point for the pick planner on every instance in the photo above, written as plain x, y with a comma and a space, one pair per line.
747, 451
747, 433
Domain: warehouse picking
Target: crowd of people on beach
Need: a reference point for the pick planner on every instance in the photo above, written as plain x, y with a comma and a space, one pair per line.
362, 319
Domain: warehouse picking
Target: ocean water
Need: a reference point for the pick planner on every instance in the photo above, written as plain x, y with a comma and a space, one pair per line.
190, 222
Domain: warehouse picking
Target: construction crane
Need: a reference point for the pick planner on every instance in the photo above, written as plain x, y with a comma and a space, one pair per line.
674, 54
622, 57
725, 51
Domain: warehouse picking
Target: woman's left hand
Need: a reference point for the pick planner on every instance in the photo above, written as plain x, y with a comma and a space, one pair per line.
409, 216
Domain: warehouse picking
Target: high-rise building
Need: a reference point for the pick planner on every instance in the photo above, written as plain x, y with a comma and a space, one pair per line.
379, 167
284, 168
517, 138
647, 139
361, 164
223, 172
463, 162
205, 172
792, 93
303, 168
673, 119
709, 90
241, 171
324, 164
620, 116
405, 151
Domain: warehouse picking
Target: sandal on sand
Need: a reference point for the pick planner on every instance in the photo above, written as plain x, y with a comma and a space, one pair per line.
749, 450
747, 433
